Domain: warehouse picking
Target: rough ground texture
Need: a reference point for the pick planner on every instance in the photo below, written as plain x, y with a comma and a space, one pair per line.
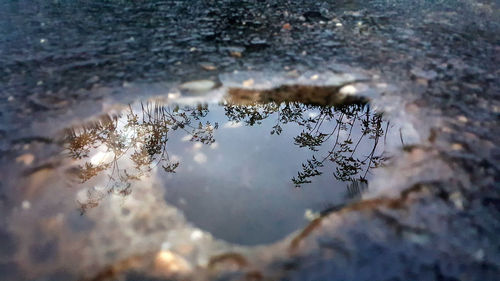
444, 55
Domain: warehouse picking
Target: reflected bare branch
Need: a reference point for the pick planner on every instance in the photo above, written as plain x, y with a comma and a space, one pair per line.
333, 129
140, 137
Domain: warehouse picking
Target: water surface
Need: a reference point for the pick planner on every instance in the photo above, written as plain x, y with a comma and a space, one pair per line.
248, 174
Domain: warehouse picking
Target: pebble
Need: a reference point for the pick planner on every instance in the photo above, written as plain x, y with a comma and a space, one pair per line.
462, 119
26, 205
248, 83
196, 235
208, 66
310, 215
173, 95
166, 262
479, 255
198, 86
235, 54
27, 159
348, 90
457, 199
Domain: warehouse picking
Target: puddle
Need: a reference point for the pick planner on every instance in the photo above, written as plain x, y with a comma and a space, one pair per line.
250, 169
208, 171
248, 174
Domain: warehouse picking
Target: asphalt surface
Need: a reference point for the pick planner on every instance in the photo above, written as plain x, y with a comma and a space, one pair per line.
444, 55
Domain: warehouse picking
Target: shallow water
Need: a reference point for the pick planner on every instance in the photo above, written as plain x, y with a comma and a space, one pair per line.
194, 174
150, 189
246, 174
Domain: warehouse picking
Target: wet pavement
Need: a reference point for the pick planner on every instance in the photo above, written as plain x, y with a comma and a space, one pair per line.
249, 140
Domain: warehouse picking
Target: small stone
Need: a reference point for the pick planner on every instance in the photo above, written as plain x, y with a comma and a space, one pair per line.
417, 155
10, 98
457, 200
27, 159
257, 44
457, 146
479, 255
462, 119
235, 54
348, 90
26, 205
173, 95
208, 66
248, 83
310, 215
168, 263
196, 235
423, 82
287, 26
198, 86
447, 130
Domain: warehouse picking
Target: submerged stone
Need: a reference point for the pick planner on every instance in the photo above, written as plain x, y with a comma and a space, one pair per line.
198, 86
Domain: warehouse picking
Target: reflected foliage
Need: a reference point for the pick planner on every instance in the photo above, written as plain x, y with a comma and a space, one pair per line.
317, 133
140, 137
332, 133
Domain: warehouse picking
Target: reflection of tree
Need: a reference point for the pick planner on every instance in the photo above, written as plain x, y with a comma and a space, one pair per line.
141, 138
315, 134
129, 146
